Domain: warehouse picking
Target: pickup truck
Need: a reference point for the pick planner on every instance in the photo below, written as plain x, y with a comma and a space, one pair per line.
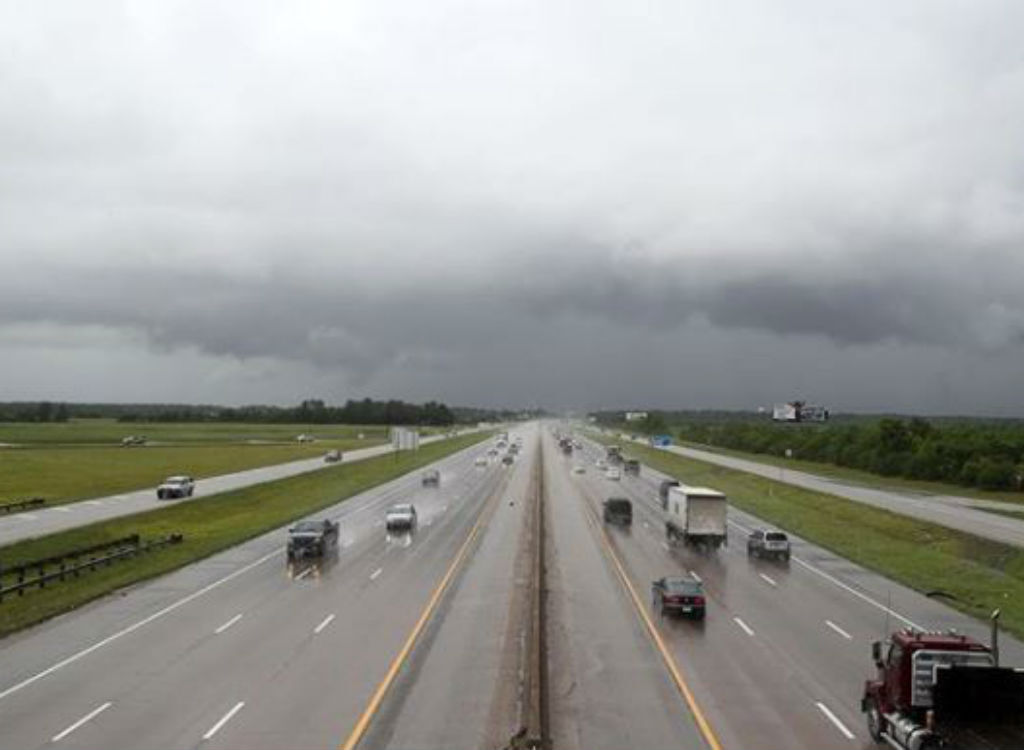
312, 539
177, 487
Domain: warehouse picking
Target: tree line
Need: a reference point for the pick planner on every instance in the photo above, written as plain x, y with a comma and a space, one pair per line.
986, 455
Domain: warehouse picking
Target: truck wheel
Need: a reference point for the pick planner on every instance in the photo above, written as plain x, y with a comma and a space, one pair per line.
874, 717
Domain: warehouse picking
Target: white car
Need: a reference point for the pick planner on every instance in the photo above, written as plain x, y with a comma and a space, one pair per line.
613, 474
176, 487
332, 457
401, 518
305, 439
579, 469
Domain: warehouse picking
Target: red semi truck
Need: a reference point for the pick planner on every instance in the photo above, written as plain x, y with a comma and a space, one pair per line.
943, 690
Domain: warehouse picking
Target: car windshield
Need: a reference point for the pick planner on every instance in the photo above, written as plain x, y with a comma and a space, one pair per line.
775, 536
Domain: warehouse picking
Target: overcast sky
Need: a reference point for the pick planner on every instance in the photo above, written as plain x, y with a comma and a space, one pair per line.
667, 204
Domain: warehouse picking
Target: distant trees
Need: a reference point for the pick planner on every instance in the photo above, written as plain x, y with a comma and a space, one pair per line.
34, 411
988, 454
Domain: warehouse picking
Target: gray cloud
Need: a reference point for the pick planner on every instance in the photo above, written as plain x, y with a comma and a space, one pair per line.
516, 202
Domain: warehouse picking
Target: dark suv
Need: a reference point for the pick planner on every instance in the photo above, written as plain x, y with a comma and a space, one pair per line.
618, 510
768, 543
681, 596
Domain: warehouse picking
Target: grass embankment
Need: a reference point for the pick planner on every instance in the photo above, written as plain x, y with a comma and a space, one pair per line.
63, 475
110, 431
981, 574
864, 478
209, 526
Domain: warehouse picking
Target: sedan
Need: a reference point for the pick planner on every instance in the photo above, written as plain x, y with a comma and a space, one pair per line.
682, 596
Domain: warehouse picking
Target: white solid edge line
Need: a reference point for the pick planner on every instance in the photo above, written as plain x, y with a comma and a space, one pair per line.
305, 572
88, 717
377, 572
223, 720
28, 517
744, 626
228, 624
840, 584
132, 628
62, 509
768, 580
326, 621
835, 720
696, 577
839, 630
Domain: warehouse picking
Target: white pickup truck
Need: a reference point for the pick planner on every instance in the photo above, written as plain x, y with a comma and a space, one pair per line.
176, 487
695, 516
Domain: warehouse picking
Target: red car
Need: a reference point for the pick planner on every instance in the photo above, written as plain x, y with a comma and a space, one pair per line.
681, 596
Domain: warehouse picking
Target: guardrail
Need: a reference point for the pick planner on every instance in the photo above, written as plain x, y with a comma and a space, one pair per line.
41, 572
19, 505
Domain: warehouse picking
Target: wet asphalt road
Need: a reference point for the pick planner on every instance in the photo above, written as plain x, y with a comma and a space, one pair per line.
238, 651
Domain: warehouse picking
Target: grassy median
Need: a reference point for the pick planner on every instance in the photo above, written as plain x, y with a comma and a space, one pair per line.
981, 574
209, 525
69, 474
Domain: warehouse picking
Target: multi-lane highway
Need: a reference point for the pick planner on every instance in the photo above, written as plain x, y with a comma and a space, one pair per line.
956, 512
424, 640
20, 526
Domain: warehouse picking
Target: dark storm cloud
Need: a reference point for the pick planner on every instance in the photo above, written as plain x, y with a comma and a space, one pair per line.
421, 202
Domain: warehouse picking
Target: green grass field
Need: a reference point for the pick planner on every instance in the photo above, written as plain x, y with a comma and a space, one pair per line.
865, 478
79, 431
69, 474
982, 575
208, 526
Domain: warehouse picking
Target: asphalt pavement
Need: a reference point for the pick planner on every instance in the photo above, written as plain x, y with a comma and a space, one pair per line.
955, 512
417, 641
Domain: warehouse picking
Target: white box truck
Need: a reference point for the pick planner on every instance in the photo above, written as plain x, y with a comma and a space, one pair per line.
695, 516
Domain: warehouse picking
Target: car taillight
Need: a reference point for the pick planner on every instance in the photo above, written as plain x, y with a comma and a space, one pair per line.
699, 600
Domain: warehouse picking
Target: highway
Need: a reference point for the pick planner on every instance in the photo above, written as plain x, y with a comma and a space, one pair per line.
961, 513
418, 640
34, 523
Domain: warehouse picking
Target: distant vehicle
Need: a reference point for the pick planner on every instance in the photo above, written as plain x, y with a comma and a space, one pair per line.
578, 469
613, 474
176, 487
508, 459
943, 690
566, 445
663, 491
681, 596
481, 461
768, 543
305, 439
332, 457
661, 441
133, 440
602, 464
696, 517
618, 511
431, 478
492, 452
400, 518
614, 454
311, 539
631, 466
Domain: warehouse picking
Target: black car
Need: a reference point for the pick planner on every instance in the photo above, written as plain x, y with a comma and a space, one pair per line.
680, 596
508, 460
663, 491
768, 543
618, 510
